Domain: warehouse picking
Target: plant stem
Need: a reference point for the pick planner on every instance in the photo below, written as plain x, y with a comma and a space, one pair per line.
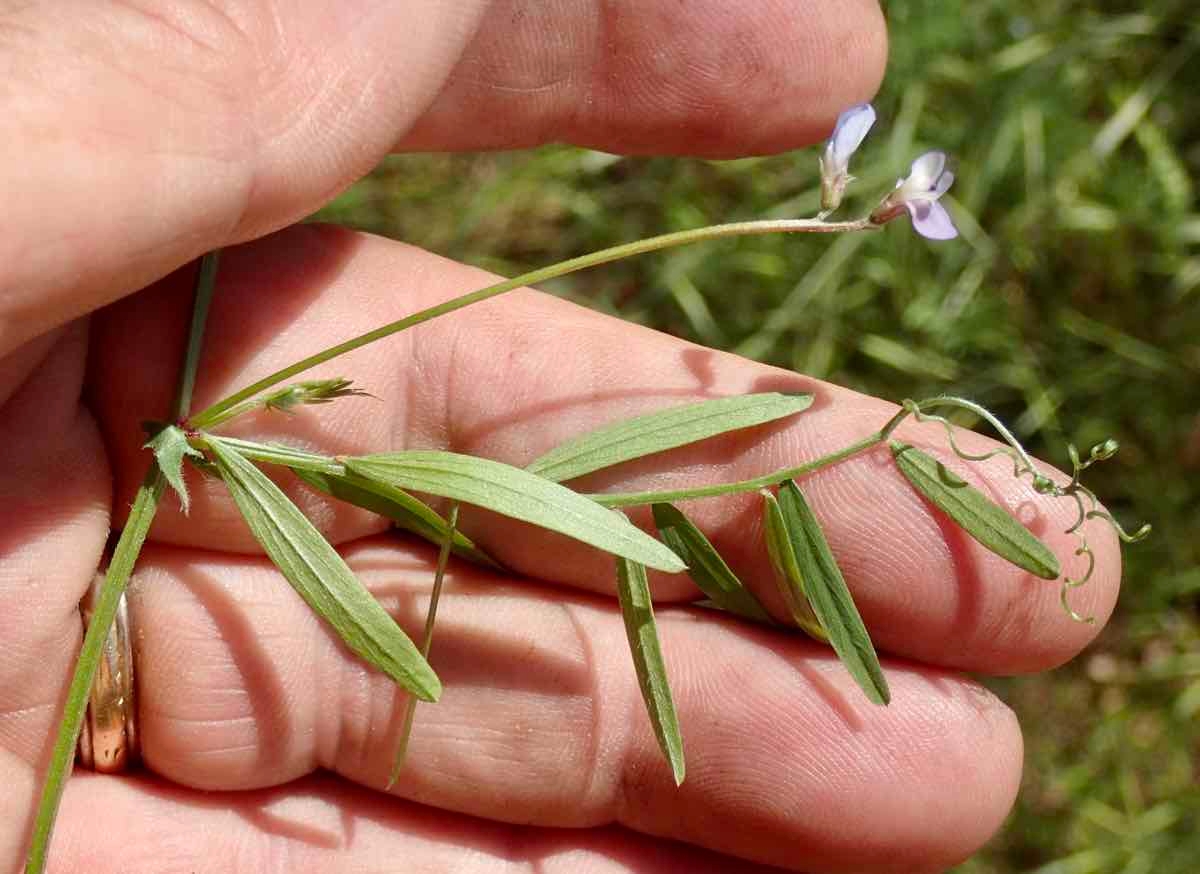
430, 617
120, 568
205, 284
213, 414
629, 499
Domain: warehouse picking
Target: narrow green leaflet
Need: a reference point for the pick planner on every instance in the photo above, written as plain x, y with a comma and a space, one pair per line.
633, 591
169, 446
829, 596
787, 570
409, 512
329, 475
277, 453
974, 512
666, 429
705, 565
321, 577
518, 494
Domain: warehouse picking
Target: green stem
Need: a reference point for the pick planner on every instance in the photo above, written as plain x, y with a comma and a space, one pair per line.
205, 284
119, 571
427, 642
213, 414
630, 499
120, 568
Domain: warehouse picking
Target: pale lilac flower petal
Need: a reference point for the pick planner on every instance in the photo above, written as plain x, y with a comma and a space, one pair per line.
851, 129
942, 185
925, 171
931, 220
918, 194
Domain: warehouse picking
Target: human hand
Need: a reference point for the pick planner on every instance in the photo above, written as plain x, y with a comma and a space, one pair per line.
145, 139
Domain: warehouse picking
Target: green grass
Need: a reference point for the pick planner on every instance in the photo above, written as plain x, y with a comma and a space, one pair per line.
1071, 307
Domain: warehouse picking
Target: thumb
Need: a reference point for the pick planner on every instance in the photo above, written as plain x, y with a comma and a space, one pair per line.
140, 135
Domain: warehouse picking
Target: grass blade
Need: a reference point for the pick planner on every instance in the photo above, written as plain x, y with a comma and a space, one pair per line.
518, 494
321, 577
788, 575
633, 591
975, 513
663, 430
829, 596
705, 565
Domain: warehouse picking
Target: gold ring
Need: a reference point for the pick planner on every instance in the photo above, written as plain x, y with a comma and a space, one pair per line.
108, 741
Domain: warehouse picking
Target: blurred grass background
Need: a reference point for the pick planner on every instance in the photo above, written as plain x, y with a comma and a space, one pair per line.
1071, 306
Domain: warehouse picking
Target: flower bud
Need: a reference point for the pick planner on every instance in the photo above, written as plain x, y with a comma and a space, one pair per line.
1106, 450
851, 128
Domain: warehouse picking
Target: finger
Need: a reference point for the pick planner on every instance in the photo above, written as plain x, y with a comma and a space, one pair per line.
511, 378
541, 720
145, 826
708, 79
140, 135
54, 518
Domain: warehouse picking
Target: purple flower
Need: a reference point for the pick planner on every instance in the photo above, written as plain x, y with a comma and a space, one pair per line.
928, 179
852, 126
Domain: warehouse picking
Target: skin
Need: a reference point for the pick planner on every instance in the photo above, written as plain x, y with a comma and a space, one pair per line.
138, 136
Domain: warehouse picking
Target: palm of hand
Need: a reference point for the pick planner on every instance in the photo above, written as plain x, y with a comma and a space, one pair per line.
242, 688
